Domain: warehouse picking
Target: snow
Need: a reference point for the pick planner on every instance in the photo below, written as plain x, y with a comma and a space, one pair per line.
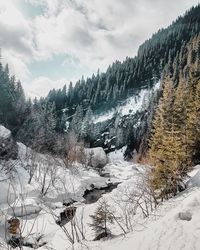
66, 126
174, 224
117, 155
169, 231
4, 132
195, 177
104, 117
130, 106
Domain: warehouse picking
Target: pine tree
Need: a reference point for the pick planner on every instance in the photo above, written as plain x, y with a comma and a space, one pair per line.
76, 122
167, 151
86, 128
174, 143
161, 122
101, 220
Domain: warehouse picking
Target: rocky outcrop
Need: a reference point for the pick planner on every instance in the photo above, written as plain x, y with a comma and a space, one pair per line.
96, 157
8, 147
117, 131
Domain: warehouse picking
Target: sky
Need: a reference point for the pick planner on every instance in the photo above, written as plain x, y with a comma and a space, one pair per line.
48, 43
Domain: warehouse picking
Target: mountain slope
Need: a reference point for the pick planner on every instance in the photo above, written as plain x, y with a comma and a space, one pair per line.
104, 90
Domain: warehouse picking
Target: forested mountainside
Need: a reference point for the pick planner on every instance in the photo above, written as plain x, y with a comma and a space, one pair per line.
174, 142
112, 156
104, 90
50, 120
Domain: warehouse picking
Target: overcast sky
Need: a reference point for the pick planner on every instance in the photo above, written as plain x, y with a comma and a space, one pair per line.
48, 43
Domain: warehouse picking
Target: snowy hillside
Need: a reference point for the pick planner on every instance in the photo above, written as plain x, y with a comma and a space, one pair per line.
174, 225
39, 203
129, 106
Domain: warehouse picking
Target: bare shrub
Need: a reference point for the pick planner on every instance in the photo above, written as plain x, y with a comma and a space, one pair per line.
137, 200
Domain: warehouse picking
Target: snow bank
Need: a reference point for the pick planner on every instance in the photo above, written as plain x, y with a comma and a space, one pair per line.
195, 177
4, 132
174, 225
26, 207
117, 154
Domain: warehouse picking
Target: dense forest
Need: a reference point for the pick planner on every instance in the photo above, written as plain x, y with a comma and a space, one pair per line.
51, 119
174, 143
112, 155
123, 78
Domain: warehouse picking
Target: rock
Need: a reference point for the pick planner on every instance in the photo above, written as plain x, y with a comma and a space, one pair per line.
66, 216
185, 216
14, 224
68, 203
16, 242
96, 157
8, 147
103, 235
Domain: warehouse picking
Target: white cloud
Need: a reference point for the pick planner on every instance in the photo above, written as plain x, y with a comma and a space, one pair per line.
96, 32
16, 64
41, 86
15, 39
99, 32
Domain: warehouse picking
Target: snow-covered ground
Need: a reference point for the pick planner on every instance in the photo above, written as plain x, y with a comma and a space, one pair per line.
172, 225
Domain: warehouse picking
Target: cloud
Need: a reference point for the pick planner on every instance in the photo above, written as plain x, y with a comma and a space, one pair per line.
17, 65
41, 86
15, 39
95, 32
106, 29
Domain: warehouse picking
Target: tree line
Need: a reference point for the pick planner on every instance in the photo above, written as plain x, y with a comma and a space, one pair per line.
174, 141
46, 120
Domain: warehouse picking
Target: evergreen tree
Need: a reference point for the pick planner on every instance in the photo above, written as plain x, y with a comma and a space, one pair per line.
76, 122
176, 126
104, 90
101, 220
86, 128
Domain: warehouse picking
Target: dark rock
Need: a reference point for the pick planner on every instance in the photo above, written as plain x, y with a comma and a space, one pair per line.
19, 242
106, 175
102, 236
14, 224
68, 203
92, 186
66, 216
15, 242
187, 216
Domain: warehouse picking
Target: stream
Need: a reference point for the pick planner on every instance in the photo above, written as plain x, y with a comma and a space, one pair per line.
94, 194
